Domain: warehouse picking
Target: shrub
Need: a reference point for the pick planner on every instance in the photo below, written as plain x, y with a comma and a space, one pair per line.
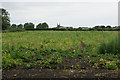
13, 30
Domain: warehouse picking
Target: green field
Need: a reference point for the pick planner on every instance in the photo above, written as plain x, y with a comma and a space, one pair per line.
50, 49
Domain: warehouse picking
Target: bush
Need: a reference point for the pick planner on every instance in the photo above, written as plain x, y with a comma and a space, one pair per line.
13, 30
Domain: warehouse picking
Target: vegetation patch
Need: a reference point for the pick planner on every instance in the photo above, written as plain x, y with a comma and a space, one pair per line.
58, 50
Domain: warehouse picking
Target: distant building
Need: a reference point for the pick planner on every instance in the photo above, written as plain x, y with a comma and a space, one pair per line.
84, 27
60, 27
116, 27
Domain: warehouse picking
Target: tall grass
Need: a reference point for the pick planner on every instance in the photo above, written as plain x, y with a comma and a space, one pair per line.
111, 47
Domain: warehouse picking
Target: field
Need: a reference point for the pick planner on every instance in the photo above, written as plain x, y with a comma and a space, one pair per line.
58, 50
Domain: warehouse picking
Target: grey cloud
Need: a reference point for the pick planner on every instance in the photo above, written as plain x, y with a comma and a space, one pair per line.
67, 13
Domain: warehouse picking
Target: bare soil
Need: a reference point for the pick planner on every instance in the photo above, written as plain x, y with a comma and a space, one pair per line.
86, 71
53, 73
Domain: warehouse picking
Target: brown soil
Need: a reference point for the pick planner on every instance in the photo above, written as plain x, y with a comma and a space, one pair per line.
85, 71
52, 73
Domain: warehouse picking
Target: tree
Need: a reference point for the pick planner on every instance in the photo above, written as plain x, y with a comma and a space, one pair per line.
96, 27
99, 28
108, 26
43, 25
29, 26
102, 26
80, 29
91, 29
13, 26
69, 28
20, 26
39, 25
5, 19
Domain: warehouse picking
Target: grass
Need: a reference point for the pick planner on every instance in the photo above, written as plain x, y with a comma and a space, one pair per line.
47, 49
0, 51
112, 47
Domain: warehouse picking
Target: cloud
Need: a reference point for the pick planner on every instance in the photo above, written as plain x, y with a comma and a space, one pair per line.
59, 0
67, 13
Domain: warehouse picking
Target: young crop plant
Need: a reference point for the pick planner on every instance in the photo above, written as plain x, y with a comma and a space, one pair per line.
48, 49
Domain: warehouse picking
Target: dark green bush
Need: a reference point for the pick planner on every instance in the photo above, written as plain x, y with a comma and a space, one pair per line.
13, 30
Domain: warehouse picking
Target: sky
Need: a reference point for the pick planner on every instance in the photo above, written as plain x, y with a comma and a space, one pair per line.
59, 0
68, 14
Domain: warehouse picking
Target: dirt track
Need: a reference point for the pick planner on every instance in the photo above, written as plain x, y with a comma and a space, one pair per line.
51, 73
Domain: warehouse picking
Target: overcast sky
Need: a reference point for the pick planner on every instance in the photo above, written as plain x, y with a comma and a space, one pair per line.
74, 14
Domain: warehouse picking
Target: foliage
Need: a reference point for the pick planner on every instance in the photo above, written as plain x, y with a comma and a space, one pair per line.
48, 49
13, 26
5, 19
42, 26
108, 26
13, 30
38, 26
29, 26
112, 47
20, 26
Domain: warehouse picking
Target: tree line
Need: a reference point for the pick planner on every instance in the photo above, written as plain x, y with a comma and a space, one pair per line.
31, 26
6, 22
44, 26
